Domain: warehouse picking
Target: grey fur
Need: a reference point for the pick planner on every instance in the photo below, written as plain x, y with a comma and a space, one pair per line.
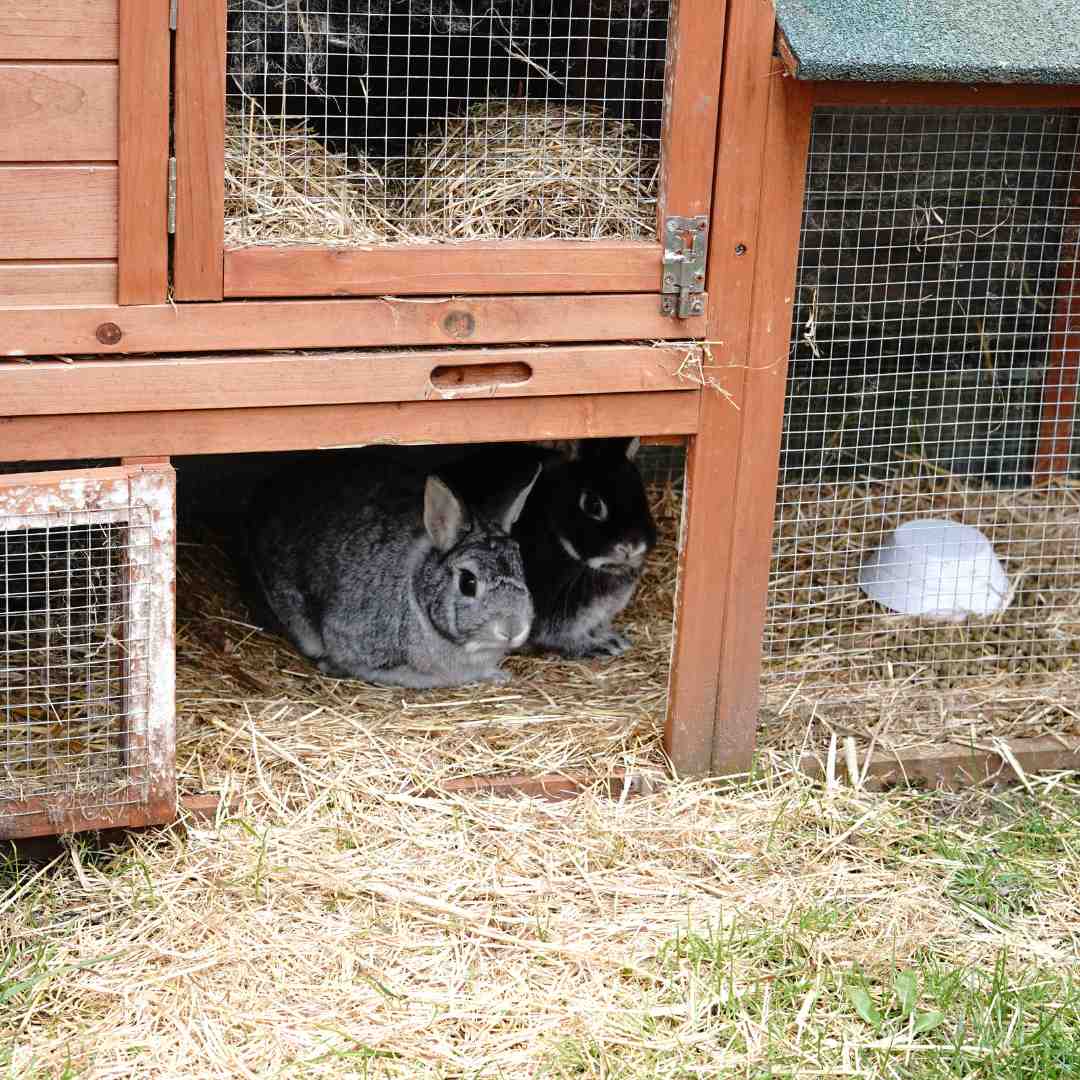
363, 569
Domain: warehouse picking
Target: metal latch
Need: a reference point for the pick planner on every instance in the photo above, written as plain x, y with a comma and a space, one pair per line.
686, 240
171, 218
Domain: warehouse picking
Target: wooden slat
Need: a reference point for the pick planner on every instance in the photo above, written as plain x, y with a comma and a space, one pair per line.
957, 768
945, 94
328, 324
695, 57
29, 284
58, 30
315, 427
1057, 426
145, 48
58, 112
58, 212
200, 150
553, 787
705, 583
498, 268
203, 382
787, 141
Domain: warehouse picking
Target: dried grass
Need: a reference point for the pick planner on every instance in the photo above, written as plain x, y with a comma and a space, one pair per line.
504, 170
340, 923
837, 661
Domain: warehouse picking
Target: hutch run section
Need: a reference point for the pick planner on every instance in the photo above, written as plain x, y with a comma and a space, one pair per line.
445, 146
86, 649
933, 379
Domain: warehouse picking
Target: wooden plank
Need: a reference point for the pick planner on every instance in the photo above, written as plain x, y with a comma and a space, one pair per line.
705, 557
59, 30
328, 324
787, 141
58, 212
200, 150
1006, 96
203, 382
692, 97
957, 768
554, 787
324, 427
58, 112
1058, 421
145, 48
24, 284
496, 268
205, 809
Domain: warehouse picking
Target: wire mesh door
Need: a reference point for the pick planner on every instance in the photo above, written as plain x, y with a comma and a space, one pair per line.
925, 581
86, 650
382, 129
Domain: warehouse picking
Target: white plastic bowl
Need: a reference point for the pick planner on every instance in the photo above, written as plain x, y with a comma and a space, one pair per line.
937, 568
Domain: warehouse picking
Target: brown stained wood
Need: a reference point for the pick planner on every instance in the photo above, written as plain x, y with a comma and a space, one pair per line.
205, 809
58, 30
692, 95
145, 47
787, 138
705, 585
994, 96
200, 150
58, 212
1057, 425
329, 324
554, 787
503, 267
32, 284
58, 112
787, 54
326, 427
231, 381
958, 768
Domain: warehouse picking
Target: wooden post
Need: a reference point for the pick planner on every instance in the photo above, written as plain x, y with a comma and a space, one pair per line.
198, 262
1056, 428
143, 271
732, 464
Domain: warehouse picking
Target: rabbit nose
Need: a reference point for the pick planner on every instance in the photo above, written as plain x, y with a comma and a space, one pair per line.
514, 631
630, 551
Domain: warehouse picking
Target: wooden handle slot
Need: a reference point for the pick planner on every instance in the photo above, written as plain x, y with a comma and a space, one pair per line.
466, 377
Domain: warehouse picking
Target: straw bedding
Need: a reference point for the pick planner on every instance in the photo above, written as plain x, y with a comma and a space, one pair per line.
503, 170
836, 661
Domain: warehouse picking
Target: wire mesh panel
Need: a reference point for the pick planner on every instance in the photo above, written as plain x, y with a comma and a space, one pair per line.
362, 121
932, 354
85, 649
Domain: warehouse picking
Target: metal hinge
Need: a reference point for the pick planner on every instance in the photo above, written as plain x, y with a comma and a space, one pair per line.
172, 196
686, 240
174, 13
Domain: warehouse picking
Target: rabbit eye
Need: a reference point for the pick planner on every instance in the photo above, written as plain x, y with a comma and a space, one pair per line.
593, 506
467, 583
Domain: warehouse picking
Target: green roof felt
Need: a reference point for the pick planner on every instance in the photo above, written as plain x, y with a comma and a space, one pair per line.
967, 41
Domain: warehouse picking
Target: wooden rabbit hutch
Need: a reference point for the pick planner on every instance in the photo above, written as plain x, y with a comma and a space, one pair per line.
236, 226
932, 384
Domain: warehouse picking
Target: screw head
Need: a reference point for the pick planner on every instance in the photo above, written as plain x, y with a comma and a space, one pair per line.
108, 333
740, 249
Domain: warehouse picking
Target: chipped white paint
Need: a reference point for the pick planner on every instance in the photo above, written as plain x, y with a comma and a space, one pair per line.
143, 496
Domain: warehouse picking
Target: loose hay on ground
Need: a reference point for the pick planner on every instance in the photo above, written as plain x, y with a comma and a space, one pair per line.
504, 170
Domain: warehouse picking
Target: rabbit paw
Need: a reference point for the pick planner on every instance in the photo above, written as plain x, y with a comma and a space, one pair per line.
608, 643
498, 677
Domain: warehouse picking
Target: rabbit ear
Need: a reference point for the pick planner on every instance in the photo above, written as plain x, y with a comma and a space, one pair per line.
606, 449
508, 514
444, 514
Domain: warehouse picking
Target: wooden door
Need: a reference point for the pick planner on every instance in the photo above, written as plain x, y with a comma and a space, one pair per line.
215, 77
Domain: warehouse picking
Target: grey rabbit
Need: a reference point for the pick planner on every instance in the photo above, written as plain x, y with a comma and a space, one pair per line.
584, 535
383, 573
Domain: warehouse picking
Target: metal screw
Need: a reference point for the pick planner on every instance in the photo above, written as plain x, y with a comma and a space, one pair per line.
740, 249
697, 307
108, 333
